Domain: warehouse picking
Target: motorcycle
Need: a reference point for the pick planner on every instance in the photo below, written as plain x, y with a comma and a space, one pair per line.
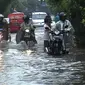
26, 35
55, 43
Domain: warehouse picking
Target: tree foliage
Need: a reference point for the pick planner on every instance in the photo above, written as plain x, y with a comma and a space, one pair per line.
22, 5
76, 10
3, 5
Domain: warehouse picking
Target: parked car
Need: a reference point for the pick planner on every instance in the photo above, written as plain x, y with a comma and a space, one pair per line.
38, 18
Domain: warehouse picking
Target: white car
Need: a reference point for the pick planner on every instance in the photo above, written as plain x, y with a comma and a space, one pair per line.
38, 18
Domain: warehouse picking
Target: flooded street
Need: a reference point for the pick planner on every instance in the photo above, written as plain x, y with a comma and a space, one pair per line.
34, 67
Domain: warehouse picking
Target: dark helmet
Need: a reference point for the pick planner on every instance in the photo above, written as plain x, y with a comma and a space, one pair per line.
26, 18
62, 15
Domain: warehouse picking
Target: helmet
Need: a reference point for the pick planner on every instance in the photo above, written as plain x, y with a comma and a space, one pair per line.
1, 17
26, 18
62, 14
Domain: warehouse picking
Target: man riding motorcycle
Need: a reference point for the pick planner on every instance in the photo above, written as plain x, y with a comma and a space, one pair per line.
4, 28
64, 26
27, 24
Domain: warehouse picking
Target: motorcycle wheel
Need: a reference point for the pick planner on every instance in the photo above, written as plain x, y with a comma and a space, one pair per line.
57, 48
30, 43
19, 36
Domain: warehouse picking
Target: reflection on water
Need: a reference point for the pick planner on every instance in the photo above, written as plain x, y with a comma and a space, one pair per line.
1, 60
37, 68
34, 67
28, 52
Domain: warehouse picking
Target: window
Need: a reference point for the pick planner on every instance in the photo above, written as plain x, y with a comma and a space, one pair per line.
38, 16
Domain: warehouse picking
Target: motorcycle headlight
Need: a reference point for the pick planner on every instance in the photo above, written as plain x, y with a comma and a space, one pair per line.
27, 30
56, 32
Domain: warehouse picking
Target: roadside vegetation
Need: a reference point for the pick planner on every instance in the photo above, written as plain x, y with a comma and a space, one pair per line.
75, 9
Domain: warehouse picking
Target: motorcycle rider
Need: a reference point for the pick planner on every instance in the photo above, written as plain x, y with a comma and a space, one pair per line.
27, 24
57, 17
64, 25
4, 26
47, 27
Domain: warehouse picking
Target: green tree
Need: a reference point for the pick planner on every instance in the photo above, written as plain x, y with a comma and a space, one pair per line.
3, 5
76, 10
22, 5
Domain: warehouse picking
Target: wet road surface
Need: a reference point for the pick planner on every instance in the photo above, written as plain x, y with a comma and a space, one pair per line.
34, 67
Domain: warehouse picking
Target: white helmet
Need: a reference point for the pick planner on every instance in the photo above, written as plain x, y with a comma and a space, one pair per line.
1, 15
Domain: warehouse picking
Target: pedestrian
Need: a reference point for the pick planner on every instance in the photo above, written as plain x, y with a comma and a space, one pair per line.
47, 27
48, 20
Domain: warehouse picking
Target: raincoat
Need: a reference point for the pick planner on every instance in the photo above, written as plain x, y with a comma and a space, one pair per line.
57, 18
66, 37
24, 26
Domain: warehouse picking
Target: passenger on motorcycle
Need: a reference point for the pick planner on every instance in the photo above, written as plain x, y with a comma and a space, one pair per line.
57, 17
27, 24
47, 27
65, 27
4, 27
